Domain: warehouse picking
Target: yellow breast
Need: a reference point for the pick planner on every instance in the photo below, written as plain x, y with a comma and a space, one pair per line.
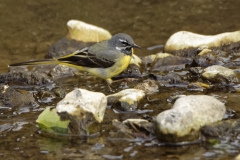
120, 65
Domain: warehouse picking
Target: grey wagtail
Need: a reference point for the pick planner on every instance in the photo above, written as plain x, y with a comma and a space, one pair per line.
105, 59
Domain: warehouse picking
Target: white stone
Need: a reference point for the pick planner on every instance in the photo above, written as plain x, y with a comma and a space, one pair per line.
163, 55
184, 40
82, 31
129, 98
136, 60
189, 114
211, 72
204, 51
83, 100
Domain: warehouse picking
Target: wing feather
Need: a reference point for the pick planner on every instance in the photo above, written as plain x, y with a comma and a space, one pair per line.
86, 59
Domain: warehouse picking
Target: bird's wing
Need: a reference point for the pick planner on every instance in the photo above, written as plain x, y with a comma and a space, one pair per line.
84, 58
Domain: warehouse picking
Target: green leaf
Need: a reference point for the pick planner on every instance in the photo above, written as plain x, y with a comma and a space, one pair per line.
50, 121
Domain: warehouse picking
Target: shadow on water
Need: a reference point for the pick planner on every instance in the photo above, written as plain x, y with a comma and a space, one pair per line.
27, 30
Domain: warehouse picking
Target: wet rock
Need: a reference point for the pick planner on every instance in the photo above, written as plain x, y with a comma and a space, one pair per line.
127, 99
132, 71
207, 58
80, 35
195, 74
83, 108
198, 86
82, 31
236, 88
168, 62
60, 92
46, 69
5, 127
50, 121
140, 126
30, 78
148, 86
220, 74
147, 61
16, 126
185, 40
174, 97
169, 80
120, 130
132, 128
45, 75
196, 70
65, 46
222, 128
61, 71
10, 97
187, 116
45, 97
62, 74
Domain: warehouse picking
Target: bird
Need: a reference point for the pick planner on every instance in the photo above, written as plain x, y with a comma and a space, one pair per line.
104, 59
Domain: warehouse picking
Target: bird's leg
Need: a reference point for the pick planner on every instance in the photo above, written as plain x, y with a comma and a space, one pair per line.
109, 82
110, 89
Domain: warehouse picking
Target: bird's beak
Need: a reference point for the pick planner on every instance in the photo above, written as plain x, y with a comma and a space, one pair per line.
136, 46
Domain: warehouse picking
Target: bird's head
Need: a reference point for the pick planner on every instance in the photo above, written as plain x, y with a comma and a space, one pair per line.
123, 42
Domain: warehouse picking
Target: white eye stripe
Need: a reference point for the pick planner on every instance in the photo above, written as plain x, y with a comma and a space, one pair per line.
121, 40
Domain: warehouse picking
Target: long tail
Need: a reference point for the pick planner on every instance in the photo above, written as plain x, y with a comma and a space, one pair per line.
44, 61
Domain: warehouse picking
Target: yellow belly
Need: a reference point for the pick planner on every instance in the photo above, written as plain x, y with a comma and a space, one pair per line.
118, 67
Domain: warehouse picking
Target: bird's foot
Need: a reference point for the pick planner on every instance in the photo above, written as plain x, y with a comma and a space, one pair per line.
110, 89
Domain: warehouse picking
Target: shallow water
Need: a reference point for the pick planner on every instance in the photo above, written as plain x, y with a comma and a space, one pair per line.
28, 28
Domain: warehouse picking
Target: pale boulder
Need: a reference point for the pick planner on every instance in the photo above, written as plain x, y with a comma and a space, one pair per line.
185, 40
85, 32
187, 116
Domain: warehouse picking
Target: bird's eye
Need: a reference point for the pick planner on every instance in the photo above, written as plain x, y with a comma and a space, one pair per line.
124, 42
